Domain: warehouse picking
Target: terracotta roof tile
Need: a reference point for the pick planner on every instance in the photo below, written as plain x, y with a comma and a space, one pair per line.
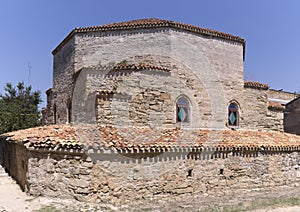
256, 85
275, 106
52, 136
105, 92
139, 67
91, 136
154, 22
150, 23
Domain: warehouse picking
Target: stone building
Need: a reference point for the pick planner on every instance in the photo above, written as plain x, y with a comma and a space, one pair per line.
150, 110
158, 73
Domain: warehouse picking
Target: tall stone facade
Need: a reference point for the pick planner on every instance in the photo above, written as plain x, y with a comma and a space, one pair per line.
133, 73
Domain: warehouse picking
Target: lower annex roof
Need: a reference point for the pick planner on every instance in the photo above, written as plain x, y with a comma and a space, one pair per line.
85, 136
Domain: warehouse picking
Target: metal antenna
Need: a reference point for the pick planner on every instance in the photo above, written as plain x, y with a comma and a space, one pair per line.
29, 72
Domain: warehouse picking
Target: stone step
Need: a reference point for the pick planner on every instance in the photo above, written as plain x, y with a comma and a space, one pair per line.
2, 171
4, 177
3, 174
6, 180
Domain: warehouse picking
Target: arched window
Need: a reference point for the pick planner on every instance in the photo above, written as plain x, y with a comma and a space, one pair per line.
182, 110
233, 115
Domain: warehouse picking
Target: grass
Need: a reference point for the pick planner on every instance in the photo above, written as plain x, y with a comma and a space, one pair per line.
48, 209
265, 203
255, 205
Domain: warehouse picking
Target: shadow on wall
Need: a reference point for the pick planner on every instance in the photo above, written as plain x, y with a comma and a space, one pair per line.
181, 153
14, 158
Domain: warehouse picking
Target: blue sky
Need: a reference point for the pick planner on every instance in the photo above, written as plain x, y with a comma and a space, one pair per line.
31, 29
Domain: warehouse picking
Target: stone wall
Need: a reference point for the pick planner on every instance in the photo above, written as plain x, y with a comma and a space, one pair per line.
58, 174
255, 112
253, 107
134, 177
107, 176
274, 120
63, 83
148, 97
121, 178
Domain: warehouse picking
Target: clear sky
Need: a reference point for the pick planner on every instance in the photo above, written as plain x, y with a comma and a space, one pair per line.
31, 29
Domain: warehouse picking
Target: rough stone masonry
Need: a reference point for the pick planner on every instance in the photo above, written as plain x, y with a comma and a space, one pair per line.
137, 61
153, 109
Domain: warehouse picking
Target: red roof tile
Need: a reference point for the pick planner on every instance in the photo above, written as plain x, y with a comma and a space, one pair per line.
150, 23
275, 106
86, 136
256, 85
52, 136
138, 67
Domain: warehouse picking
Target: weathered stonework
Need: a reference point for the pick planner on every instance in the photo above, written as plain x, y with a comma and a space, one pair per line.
196, 57
188, 172
120, 178
208, 70
58, 174
148, 106
63, 84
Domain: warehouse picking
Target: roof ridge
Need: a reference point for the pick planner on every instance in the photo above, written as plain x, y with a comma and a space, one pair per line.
155, 23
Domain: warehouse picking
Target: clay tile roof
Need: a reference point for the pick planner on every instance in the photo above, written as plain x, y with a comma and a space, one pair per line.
83, 137
256, 85
52, 136
150, 23
176, 137
139, 22
137, 67
275, 106
105, 92
154, 22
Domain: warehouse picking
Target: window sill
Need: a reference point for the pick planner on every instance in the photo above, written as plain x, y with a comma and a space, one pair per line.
179, 124
233, 127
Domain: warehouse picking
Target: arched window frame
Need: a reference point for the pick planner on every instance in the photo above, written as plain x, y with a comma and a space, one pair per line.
233, 117
183, 110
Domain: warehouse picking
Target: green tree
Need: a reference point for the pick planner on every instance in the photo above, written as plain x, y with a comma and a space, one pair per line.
19, 108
